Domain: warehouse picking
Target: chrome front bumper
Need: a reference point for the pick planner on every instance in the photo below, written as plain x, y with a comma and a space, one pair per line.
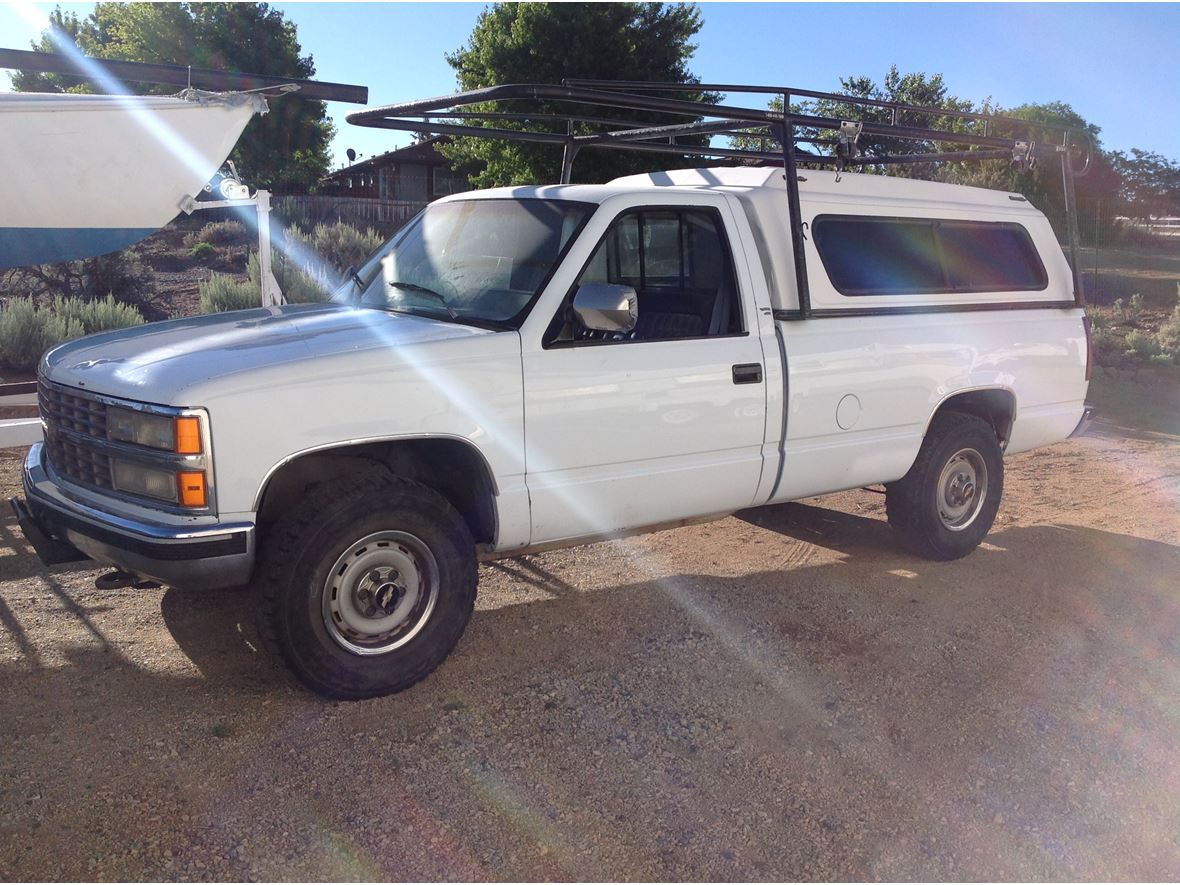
188, 556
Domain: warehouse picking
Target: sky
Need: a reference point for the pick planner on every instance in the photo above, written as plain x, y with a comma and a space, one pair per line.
1115, 63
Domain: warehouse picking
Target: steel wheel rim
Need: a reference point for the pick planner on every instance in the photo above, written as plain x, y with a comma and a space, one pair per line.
961, 489
380, 593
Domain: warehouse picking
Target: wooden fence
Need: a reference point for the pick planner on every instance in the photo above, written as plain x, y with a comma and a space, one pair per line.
386, 215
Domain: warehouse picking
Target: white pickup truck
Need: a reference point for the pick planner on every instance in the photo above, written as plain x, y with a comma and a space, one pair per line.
527, 368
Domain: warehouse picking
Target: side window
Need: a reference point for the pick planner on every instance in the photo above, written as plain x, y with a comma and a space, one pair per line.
869, 256
926, 256
679, 264
990, 257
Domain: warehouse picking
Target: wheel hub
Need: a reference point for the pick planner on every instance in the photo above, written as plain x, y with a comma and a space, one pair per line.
961, 489
380, 592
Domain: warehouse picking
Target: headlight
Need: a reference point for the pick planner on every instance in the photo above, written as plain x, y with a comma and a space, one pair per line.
181, 435
183, 487
136, 479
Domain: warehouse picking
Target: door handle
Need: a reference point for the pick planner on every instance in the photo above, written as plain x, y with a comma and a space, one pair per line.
747, 373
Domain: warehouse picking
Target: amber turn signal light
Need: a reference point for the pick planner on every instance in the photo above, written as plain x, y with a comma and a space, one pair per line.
188, 436
191, 484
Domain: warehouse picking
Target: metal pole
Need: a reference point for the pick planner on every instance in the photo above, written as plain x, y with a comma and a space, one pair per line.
1071, 222
272, 295
567, 162
568, 154
797, 238
1097, 228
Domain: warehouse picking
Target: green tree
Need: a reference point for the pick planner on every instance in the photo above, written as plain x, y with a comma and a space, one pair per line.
545, 43
1042, 185
913, 89
286, 147
1149, 183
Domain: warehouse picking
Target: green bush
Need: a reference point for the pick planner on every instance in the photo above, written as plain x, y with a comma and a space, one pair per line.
218, 233
342, 245
222, 292
203, 250
26, 333
102, 315
1141, 345
119, 274
300, 284
307, 267
1170, 331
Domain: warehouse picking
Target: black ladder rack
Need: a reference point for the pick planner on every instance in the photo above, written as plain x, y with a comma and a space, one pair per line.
459, 114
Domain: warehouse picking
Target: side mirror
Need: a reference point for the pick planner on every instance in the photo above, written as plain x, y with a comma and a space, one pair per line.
602, 307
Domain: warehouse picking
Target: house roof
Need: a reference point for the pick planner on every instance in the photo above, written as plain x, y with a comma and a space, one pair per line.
420, 152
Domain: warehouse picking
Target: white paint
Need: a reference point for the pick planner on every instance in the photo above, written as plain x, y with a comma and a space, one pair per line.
111, 161
585, 441
848, 411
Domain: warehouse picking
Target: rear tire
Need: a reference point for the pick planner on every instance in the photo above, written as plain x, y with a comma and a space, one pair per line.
945, 506
366, 586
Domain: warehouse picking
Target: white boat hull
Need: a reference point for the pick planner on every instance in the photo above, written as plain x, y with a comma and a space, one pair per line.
82, 175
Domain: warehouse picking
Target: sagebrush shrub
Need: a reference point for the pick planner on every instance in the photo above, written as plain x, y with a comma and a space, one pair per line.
222, 292
1170, 332
218, 233
299, 283
119, 274
26, 333
1141, 345
102, 315
343, 245
307, 266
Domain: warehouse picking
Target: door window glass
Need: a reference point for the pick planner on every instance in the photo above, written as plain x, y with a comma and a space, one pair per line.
678, 263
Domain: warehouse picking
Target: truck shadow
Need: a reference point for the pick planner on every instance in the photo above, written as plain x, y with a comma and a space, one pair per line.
824, 527
870, 679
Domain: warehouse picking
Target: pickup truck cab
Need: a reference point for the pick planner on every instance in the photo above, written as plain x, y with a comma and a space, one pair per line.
533, 367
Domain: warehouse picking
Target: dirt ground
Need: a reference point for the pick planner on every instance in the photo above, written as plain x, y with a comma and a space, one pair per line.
779, 695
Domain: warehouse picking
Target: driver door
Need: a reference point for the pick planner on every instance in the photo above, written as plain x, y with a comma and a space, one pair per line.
664, 422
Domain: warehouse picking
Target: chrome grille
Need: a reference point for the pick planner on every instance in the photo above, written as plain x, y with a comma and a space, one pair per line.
70, 419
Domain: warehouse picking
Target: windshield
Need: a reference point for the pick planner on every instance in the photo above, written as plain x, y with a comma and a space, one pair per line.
478, 261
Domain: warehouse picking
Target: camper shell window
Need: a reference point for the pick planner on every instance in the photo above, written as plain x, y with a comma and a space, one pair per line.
869, 255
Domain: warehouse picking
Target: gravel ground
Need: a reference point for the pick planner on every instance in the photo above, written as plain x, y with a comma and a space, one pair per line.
779, 695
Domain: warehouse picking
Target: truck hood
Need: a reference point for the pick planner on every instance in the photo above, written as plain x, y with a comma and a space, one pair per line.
166, 363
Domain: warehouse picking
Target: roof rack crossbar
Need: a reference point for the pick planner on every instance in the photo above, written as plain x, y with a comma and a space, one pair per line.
852, 100
458, 115
743, 118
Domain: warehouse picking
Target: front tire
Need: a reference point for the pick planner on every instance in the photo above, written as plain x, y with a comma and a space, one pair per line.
946, 504
366, 586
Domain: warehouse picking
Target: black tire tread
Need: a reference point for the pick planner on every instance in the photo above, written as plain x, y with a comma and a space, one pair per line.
904, 499
281, 543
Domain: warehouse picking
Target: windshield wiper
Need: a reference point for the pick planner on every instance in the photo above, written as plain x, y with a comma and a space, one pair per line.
430, 293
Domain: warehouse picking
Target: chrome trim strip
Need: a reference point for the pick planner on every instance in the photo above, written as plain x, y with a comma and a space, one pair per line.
132, 452
40, 487
345, 443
